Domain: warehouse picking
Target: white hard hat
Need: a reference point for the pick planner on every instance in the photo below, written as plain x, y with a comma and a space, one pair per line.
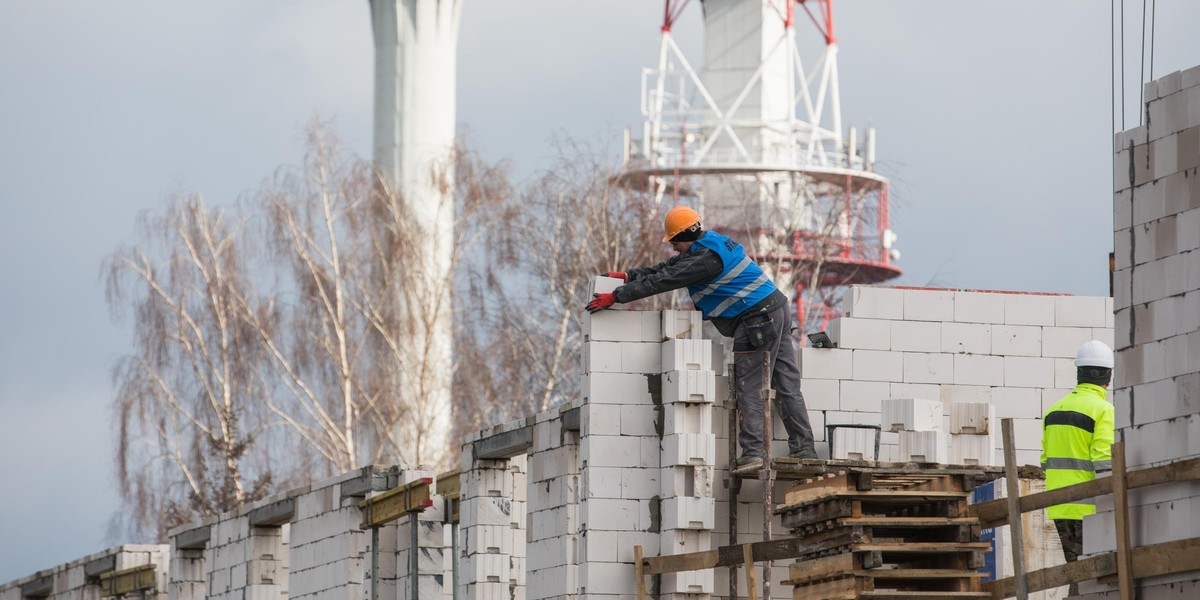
1094, 354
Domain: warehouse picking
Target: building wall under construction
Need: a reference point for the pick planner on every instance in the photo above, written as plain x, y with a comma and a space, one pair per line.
1156, 220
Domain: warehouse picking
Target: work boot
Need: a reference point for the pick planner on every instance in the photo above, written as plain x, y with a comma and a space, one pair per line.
808, 452
748, 464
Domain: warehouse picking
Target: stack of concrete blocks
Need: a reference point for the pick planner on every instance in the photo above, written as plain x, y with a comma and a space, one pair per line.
918, 424
424, 556
973, 439
187, 574
688, 460
80, 579
1014, 351
246, 562
492, 524
619, 450
553, 535
1156, 219
329, 553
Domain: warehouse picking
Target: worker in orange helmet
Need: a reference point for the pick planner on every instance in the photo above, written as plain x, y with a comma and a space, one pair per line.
733, 292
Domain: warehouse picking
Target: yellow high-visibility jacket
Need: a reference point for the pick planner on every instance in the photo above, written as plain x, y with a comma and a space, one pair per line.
1077, 438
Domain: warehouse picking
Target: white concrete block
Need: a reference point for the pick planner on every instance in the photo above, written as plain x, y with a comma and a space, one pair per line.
914, 390
689, 449
826, 363
623, 326
615, 388
928, 305
640, 358
693, 481
611, 514
872, 302
1064, 373
978, 307
951, 394
1017, 340
1029, 309
924, 446
1023, 371
1027, 434
966, 338
681, 324
1017, 403
1187, 226
975, 418
638, 419
684, 355
1079, 311
973, 450
1064, 342
699, 386
970, 369
821, 394
688, 582
601, 358
684, 541
600, 419
928, 368
916, 336
689, 513
856, 333
878, 365
610, 450
911, 414
687, 418
853, 444
863, 396
605, 285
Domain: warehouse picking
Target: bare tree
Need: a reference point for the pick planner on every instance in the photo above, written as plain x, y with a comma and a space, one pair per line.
188, 405
543, 247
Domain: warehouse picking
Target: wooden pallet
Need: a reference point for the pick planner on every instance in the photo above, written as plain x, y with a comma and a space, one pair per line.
876, 583
909, 535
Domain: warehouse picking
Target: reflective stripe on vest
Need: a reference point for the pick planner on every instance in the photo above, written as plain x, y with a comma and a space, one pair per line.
741, 284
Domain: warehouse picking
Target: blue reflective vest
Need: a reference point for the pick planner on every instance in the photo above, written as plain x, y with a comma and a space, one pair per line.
741, 284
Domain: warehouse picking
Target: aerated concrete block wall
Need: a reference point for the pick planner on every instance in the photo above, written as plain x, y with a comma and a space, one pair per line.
80, 579
1156, 220
1013, 351
308, 543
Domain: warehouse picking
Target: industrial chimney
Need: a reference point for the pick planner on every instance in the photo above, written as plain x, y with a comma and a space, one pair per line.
415, 56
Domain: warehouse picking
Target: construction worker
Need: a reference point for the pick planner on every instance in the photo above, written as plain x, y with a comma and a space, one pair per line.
732, 291
1077, 437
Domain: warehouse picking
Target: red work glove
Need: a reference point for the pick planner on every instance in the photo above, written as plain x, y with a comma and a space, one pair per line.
615, 275
601, 302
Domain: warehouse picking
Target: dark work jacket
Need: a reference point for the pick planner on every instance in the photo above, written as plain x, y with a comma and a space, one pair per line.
698, 265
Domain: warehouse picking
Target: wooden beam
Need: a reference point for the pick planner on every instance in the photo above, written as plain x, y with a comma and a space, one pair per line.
449, 487
1014, 509
729, 556
395, 503
1180, 556
1121, 516
994, 513
640, 571
748, 561
127, 581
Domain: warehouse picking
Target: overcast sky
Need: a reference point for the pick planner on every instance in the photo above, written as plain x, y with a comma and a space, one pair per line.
993, 121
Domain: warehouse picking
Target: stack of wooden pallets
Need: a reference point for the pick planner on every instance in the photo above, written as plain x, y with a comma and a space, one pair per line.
885, 533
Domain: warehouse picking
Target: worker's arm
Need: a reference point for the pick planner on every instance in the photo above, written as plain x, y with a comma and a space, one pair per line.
1102, 441
697, 266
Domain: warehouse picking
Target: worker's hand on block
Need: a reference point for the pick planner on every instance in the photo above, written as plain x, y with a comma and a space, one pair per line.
615, 275
601, 302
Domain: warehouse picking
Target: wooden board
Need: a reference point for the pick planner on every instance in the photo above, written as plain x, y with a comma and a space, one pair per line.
1148, 561
898, 497
994, 513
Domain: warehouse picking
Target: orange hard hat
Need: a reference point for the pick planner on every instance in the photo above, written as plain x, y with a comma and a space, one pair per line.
677, 220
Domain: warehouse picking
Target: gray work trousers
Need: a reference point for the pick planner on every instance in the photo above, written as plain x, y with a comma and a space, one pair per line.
785, 380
